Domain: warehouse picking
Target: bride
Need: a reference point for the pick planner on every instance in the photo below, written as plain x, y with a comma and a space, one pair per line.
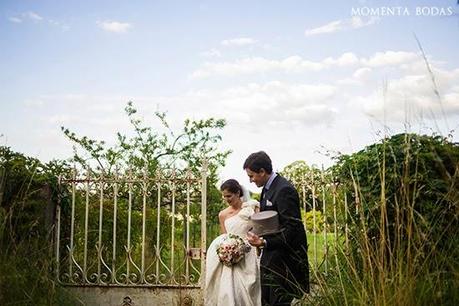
238, 284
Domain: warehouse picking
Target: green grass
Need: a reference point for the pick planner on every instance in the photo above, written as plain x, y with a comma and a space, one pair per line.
320, 248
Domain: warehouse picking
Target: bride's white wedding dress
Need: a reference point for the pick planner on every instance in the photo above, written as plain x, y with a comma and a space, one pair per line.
238, 285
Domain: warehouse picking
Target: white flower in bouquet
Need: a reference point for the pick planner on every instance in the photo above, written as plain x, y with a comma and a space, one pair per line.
232, 249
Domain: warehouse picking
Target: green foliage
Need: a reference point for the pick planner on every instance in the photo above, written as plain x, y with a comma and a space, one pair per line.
403, 240
27, 187
299, 171
406, 170
27, 190
314, 217
321, 250
255, 196
215, 204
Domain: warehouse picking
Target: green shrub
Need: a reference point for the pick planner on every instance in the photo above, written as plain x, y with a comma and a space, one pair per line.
406, 174
308, 219
404, 241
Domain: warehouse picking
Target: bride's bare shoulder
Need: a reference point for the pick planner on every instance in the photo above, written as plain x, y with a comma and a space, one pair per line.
223, 213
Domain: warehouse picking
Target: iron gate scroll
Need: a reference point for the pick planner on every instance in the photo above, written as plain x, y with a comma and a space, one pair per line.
132, 230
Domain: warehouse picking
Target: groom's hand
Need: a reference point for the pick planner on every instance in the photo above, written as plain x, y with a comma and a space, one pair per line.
254, 240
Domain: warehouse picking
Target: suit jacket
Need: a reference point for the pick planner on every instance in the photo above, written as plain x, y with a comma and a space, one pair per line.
286, 252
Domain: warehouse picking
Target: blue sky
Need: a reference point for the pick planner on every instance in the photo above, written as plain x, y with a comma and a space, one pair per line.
291, 77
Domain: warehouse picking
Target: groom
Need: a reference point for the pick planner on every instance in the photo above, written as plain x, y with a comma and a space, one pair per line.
284, 259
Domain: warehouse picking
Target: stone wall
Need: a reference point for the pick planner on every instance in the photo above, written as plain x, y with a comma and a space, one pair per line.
138, 296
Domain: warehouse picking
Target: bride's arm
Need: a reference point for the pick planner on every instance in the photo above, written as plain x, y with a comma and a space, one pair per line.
221, 220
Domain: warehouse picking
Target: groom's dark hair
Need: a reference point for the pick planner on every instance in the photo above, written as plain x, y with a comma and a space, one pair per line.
257, 161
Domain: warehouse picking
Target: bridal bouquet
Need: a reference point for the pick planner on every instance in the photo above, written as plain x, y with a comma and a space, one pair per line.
232, 249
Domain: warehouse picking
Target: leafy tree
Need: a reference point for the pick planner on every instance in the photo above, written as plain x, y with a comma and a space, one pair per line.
150, 149
303, 177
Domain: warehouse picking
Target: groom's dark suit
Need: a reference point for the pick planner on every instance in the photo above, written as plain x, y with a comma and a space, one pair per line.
284, 261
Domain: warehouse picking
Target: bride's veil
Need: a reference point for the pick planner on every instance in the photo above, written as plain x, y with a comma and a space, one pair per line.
245, 194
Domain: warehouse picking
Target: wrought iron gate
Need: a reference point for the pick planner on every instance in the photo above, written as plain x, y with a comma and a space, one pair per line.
133, 230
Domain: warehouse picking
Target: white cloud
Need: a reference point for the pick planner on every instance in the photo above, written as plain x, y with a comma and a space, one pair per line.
278, 103
15, 19
33, 16
331, 27
349, 82
346, 59
390, 58
295, 63
361, 73
413, 95
261, 65
212, 53
241, 41
451, 99
114, 26
341, 25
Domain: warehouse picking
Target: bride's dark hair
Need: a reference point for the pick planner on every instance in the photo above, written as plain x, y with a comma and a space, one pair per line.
232, 186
